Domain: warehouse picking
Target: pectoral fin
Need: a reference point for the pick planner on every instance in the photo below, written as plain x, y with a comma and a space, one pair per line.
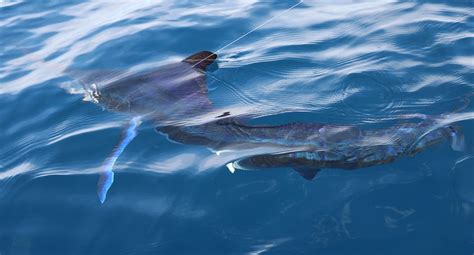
107, 175
231, 167
306, 172
106, 179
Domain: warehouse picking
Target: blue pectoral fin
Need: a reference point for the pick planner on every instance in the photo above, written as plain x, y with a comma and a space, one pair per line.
106, 177
105, 182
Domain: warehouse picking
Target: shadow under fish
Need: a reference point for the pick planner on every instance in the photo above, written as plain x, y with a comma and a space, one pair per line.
179, 90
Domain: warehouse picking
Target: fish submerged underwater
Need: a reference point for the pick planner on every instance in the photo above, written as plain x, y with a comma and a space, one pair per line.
180, 89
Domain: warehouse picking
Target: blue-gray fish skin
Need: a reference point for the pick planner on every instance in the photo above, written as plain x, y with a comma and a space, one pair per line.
329, 146
173, 91
179, 91
170, 91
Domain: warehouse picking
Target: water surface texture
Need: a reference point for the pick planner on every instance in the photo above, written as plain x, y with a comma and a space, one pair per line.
364, 63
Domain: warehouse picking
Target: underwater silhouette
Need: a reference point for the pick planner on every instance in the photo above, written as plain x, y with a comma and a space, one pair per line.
180, 89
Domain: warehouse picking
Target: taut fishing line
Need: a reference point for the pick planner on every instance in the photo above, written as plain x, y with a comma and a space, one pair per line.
251, 31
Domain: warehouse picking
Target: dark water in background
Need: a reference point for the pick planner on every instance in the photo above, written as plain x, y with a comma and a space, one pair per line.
348, 62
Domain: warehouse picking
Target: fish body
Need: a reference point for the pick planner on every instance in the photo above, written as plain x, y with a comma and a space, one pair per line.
173, 91
170, 91
179, 91
326, 146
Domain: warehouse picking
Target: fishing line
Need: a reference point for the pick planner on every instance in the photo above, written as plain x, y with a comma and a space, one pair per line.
229, 86
251, 31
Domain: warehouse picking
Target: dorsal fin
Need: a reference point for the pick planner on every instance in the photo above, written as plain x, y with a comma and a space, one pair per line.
201, 60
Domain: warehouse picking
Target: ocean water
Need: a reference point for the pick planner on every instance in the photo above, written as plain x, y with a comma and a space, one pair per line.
363, 63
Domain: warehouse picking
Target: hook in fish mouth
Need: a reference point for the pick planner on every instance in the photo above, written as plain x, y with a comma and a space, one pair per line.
91, 93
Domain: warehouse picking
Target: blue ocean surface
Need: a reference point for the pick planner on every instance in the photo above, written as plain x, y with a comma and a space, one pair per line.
361, 63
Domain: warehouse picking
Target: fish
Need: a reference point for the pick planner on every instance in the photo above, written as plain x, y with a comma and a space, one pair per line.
172, 91
179, 90
310, 147
176, 89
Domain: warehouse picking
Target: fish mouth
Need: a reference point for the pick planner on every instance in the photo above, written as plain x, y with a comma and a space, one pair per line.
92, 93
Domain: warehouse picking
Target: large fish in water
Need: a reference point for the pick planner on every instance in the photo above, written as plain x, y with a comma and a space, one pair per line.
179, 90
312, 147
171, 92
